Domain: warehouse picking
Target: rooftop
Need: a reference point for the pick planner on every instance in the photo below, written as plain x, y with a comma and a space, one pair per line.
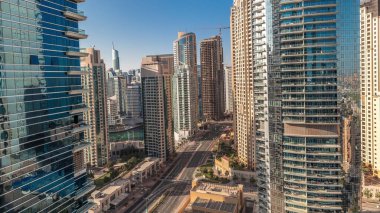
148, 162
215, 205
212, 188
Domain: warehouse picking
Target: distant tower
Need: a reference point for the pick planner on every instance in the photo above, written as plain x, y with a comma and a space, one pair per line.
185, 86
212, 78
115, 59
156, 76
96, 111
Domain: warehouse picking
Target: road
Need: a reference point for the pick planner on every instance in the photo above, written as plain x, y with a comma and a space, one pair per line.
177, 184
181, 190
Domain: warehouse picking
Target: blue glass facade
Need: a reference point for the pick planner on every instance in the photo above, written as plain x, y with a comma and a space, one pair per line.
41, 128
319, 68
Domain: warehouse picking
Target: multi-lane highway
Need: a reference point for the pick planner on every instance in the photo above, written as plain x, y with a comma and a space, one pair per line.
181, 190
177, 184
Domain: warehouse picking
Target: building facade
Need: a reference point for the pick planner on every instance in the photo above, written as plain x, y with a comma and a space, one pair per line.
319, 70
96, 103
293, 69
185, 86
213, 104
228, 90
156, 73
369, 18
133, 105
41, 118
250, 34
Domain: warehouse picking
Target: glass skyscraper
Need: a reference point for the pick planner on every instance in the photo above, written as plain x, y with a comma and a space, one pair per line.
296, 91
319, 69
185, 86
42, 166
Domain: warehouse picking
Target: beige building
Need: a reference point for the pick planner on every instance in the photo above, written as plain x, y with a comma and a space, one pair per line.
222, 168
215, 198
243, 82
228, 90
369, 35
112, 113
96, 101
213, 99
110, 197
156, 78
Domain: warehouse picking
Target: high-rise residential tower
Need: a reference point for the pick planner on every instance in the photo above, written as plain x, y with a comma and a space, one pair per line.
115, 60
319, 69
250, 65
42, 165
294, 64
156, 76
228, 93
185, 86
96, 101
213, 104
370, 84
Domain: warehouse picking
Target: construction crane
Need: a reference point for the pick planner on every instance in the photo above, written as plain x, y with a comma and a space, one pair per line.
218, 28
222, 28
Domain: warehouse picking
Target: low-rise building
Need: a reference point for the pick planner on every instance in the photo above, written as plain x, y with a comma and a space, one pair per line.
222, 168
146, 169
111, 197
212, 198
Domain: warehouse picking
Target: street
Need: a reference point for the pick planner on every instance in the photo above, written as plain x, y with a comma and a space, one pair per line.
177, 184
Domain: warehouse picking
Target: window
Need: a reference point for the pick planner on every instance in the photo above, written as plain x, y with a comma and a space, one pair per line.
34, 60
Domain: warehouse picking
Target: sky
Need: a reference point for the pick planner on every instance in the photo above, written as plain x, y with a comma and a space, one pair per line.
146, 27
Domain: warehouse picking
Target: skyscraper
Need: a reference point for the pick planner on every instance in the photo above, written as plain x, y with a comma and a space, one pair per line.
185, 86
319, 69
250, 30
229, 102
295, 70
115, 60
213, 104
41, 118
243, 82
156, 73
96, 100
370, 77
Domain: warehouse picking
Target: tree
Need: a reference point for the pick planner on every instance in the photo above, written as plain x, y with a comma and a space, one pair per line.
367, 193
377, 195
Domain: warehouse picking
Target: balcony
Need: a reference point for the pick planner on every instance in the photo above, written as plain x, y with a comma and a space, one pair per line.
79, 109
80, 172
78, 71
84, 190
324, 199
76, 54
80, 128
74, 14
77, 90
81, 145
294, 202
75, 33
325, 191
293, 209
329, 207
